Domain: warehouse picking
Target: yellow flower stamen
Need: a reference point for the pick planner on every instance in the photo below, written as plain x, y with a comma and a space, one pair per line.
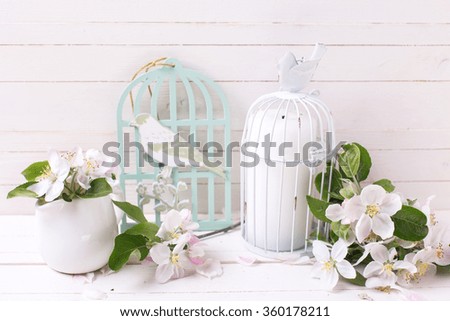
440, 251
175, 235
433, 219
388, 267
422, 268
372, 210
385, 289
174, 259
327, 266
47, 174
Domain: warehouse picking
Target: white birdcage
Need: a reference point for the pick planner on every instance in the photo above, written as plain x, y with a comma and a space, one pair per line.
275, 216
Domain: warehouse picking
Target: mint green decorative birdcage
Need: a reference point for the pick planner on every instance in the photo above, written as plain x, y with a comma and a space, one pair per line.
186, 102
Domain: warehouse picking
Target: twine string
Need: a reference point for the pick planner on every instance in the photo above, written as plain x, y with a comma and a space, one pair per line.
160, 62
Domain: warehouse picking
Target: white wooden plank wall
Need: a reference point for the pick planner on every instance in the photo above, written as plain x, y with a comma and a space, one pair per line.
386, 75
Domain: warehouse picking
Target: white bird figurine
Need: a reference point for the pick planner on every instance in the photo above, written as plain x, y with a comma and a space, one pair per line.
295, 75
151, 131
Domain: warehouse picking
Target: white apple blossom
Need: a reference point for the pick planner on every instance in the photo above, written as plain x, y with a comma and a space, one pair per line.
380, 272
329, 266
437, 242
336, 213
374, 208
91, 168
74, 157
425, 268
171, 263
51, 182
175, 224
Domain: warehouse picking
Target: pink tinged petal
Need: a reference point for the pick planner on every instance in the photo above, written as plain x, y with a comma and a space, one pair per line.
391, 204
246, 260
379, 253
54, 191
403, 265
196, 251
40, 188
335, 212
148, 261
408, 294
164, 272
184, 261
197, 260
346, 269
320, 251
339, 251
330, 278
383, 226
373, 269
354, 208
160, 254
211, 268
363, 228
372, 194
193, 240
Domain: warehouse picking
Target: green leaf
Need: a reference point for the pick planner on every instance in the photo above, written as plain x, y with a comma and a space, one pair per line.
336, 183
359, 280
146, 229
66, 197
347, 192
365, 163
99, 188
349, 188
133, 212
349, 160
22, 191
386, 184
318, 208
124, 246
410, 224
443, 268
32, 172
341, 230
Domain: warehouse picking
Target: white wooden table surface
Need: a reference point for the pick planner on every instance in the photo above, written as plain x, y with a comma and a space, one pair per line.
24, 275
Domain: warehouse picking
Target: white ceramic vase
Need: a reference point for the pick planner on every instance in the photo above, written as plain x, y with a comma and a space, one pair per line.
77, 237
